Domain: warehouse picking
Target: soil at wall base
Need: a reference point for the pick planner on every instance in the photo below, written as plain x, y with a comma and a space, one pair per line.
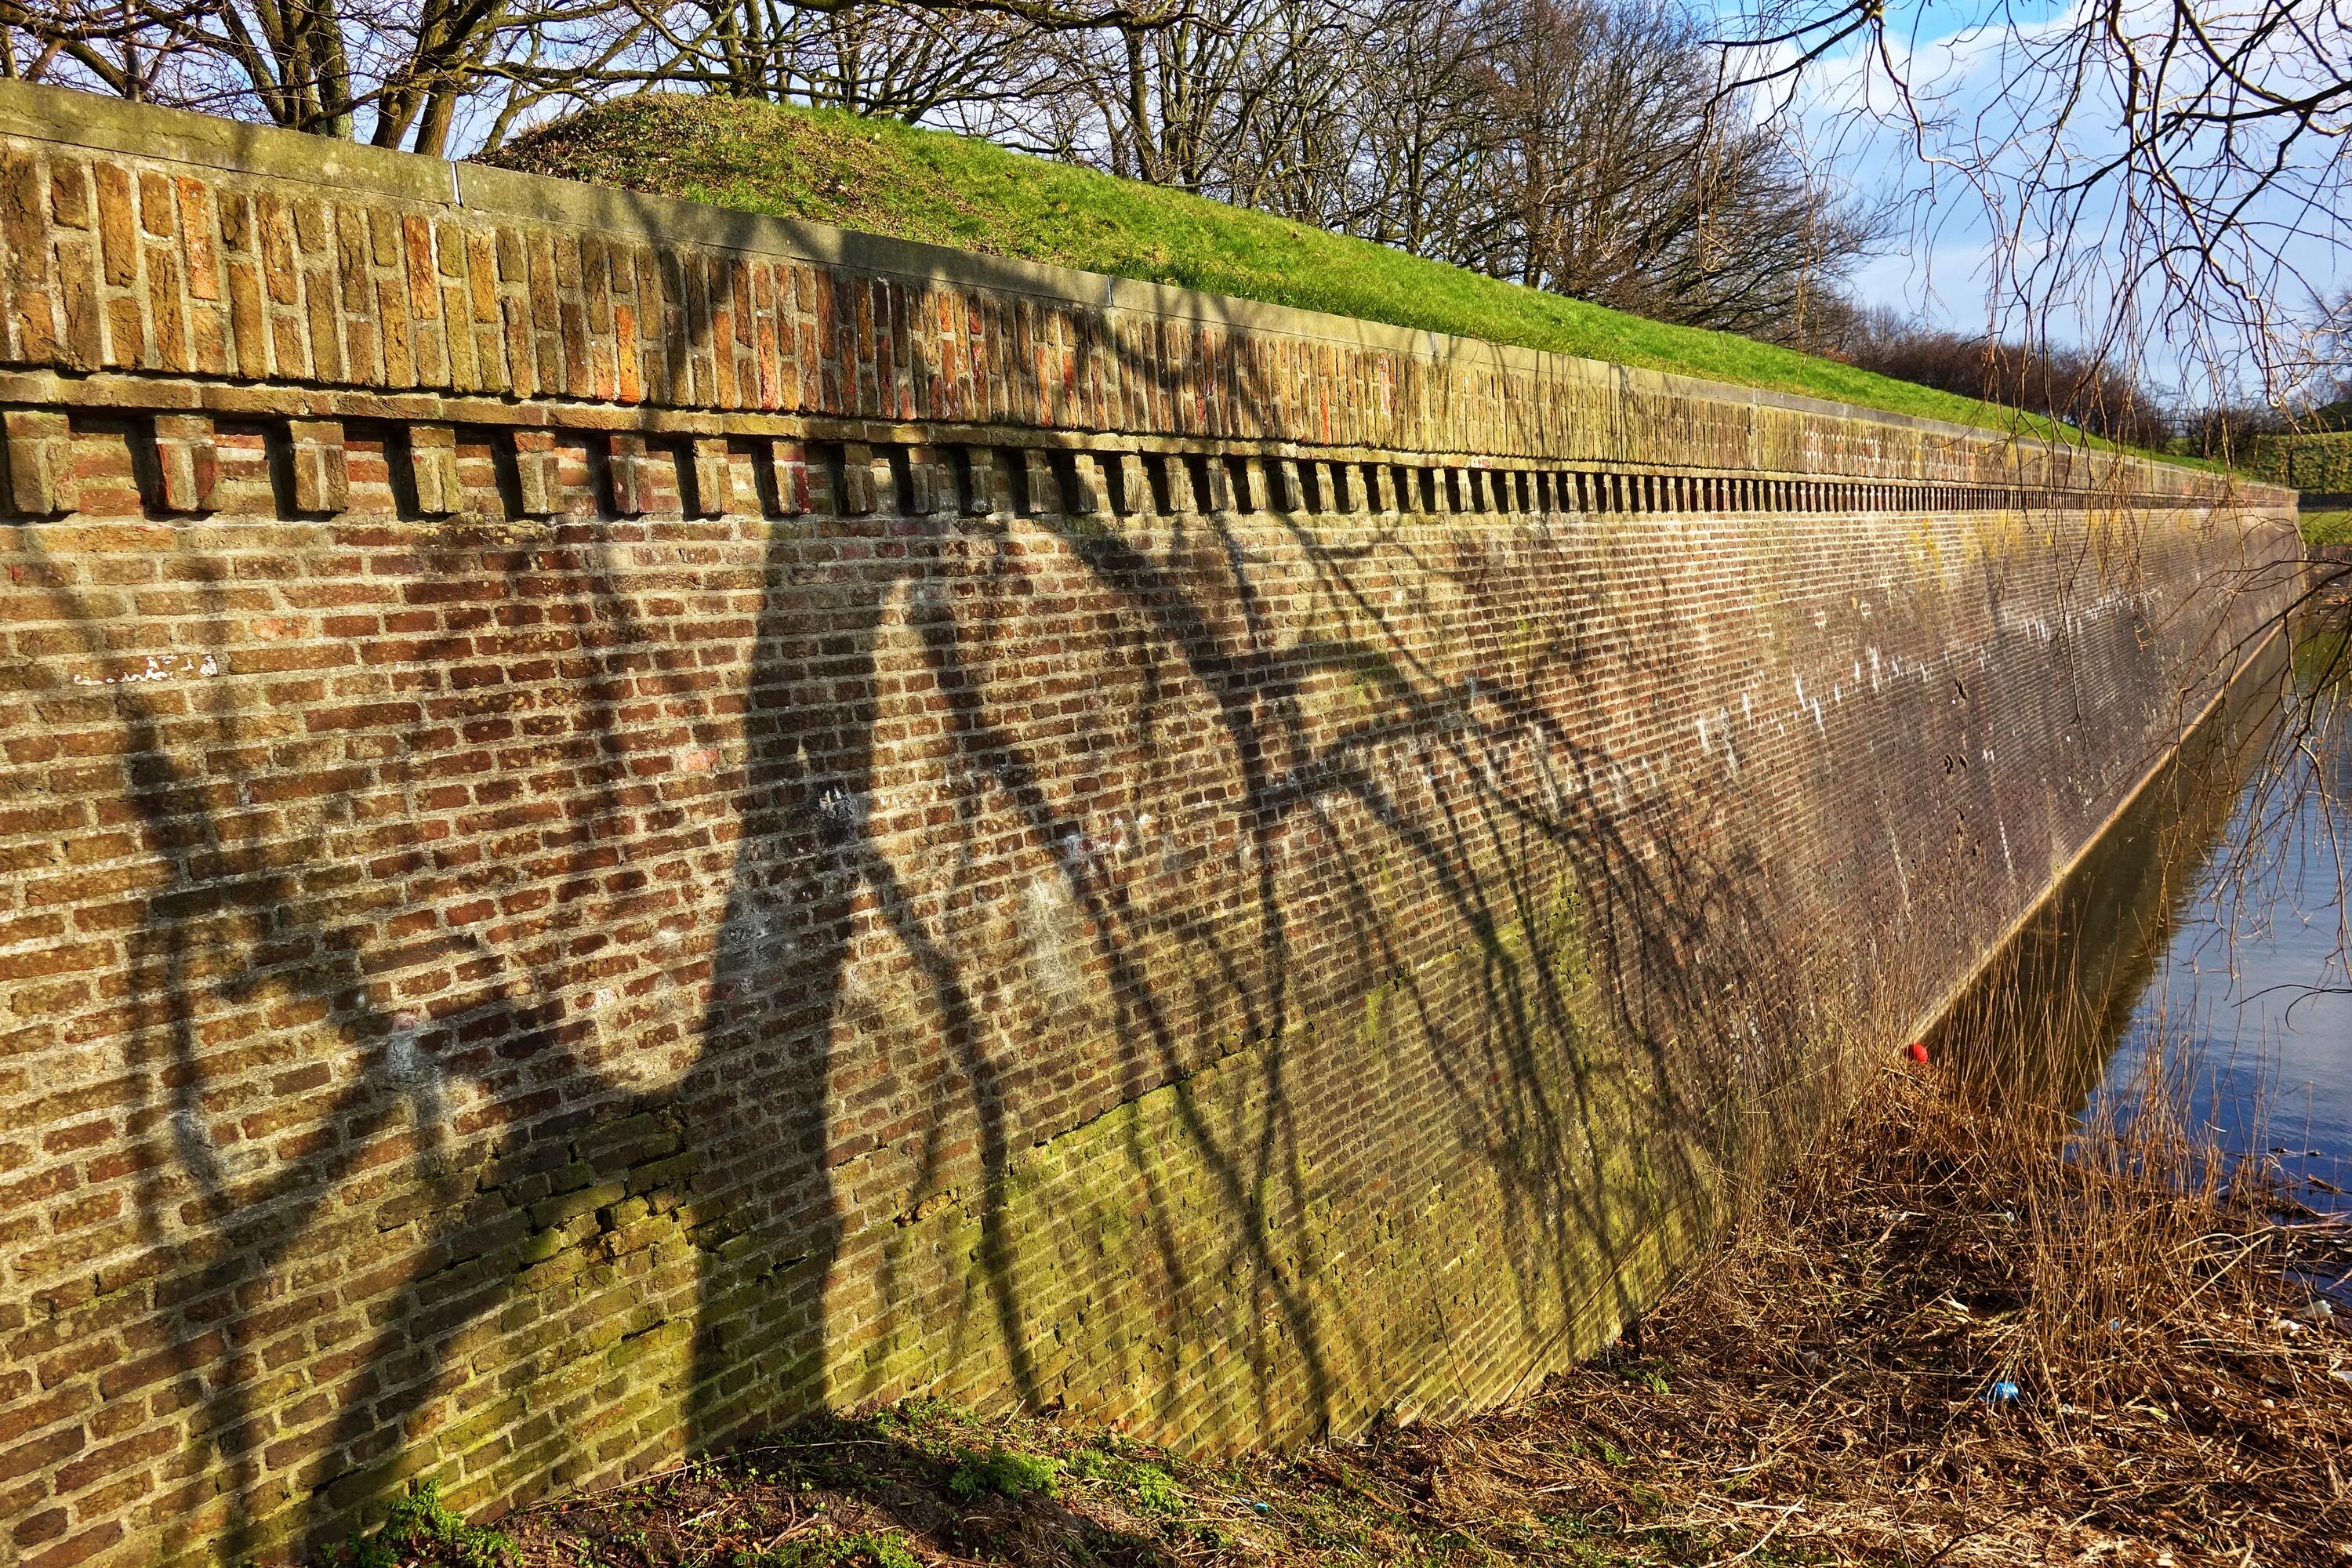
1818, 1394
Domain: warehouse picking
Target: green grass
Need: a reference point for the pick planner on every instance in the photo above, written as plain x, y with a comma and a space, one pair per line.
886, 178
2326, 527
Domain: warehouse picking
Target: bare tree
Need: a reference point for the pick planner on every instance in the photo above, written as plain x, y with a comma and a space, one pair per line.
2149, 173
396, 71
1217, 99
1573, 145
403, 73
2089, 391
1628, 183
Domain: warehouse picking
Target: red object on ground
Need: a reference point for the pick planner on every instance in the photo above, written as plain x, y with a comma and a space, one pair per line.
1918, 1051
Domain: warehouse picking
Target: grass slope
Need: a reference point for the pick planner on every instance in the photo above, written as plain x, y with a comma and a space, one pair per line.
888, 178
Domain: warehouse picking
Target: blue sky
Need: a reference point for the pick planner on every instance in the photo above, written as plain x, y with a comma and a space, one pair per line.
1979, 76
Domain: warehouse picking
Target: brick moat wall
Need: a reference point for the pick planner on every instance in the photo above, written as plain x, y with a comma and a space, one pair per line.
621, 821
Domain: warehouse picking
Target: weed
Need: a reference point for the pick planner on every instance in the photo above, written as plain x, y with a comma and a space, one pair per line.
862, 1550
422, 1529
1649, 1374
1157, 1490
1007, 1472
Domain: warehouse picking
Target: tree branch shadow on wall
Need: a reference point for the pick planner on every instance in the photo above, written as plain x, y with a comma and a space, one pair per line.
1542, 1133
500, 1096
240, 1234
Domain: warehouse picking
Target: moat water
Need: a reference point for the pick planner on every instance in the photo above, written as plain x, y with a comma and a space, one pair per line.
2208, 932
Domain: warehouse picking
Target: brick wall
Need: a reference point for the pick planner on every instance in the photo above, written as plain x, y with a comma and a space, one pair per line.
621, 821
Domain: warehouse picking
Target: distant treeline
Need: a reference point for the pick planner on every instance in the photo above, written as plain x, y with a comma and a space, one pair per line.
2088, 390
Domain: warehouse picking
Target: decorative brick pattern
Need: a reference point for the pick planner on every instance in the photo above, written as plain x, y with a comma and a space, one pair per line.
610, 841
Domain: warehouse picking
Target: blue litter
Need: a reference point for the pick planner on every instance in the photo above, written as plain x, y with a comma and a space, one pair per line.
2003, 1392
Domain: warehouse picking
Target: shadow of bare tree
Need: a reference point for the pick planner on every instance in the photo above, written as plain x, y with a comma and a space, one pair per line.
639, 982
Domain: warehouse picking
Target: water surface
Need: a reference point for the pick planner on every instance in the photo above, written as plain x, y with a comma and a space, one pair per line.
2208, 926
2251, 977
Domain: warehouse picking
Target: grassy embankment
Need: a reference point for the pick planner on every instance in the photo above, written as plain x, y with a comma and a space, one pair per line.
886, 178
1815, 1394
2326, 527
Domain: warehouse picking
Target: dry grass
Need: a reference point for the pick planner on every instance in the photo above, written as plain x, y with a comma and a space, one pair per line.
1822, 1387
1814, 1395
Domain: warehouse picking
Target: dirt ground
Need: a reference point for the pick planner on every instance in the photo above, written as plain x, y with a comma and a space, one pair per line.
1936, 1342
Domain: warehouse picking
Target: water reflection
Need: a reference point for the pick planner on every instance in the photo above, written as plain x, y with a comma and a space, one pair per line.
2209, 923
2253, 981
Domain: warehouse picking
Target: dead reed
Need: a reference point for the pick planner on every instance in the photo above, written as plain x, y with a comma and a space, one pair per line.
1965, 1331
1827, 1388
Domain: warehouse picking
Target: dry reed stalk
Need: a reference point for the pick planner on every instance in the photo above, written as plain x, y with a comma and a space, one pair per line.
1813, 1394
1823, 1383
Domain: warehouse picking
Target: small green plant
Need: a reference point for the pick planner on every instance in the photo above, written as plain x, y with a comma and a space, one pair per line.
910, 1415
1157, 1490
420, 1527
862, 1549
1005, 1472
1650, 1375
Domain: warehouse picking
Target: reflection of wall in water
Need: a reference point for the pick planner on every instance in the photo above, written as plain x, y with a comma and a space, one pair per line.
2042, 1021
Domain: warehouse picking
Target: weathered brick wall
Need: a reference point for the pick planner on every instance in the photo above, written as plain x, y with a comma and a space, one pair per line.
621, 821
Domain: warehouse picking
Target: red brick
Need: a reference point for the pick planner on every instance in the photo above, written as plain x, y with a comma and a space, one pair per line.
77, 1548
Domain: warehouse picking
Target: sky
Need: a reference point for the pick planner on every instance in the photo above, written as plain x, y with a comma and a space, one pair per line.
1980, 78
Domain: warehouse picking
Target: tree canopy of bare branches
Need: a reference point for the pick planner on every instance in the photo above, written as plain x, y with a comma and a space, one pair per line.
403, 73
1574, 145
2150, 173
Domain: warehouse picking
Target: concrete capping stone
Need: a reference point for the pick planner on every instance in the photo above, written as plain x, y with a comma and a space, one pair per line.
94, 121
